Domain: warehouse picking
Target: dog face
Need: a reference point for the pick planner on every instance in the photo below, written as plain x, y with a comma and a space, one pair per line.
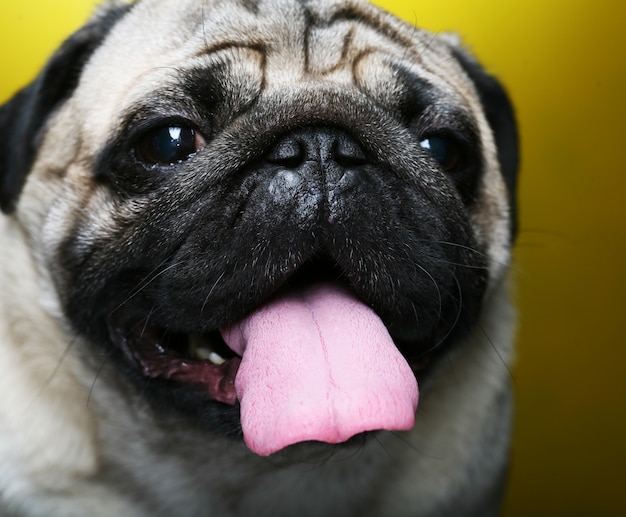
192, 174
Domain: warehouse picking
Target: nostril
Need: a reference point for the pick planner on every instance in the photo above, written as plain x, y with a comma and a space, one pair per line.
347, 152
289, 153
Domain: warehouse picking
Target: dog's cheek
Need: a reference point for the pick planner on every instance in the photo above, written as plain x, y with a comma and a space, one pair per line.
491, 219
50, 180
61, 204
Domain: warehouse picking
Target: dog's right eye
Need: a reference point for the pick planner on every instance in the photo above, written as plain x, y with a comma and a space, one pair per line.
169, 145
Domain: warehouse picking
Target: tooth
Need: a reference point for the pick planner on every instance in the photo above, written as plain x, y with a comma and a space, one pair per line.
202, 353
216, 358
205, 354
201, 350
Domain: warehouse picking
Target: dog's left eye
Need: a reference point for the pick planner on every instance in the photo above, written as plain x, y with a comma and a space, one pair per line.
447, 152
169, 145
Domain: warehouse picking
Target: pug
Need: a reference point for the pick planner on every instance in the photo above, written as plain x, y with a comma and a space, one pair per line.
254, 260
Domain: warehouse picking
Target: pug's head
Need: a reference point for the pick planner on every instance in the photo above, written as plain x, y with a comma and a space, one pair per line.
280, 212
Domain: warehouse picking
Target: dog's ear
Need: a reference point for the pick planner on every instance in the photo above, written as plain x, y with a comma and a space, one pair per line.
501, 117
23, 118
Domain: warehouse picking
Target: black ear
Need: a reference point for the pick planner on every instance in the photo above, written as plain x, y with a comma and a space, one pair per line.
501, 117
23, 118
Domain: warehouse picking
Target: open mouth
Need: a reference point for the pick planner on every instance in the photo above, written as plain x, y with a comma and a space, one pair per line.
202, 361
311, 363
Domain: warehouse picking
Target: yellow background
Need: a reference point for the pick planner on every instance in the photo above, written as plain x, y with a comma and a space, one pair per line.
564, 64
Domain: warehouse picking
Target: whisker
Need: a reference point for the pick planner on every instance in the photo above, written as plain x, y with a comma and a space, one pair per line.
414, 31
507, 265
147, 281
458, 245
215, 284
145, 324
466, 266
60, 362
427, 46
402, 437
95, 379
456, 320
435, 283
381, 444
495, 349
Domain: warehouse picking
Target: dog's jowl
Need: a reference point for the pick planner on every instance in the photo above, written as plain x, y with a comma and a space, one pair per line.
253, 258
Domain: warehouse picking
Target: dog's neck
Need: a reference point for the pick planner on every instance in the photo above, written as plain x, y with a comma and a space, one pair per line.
38, 373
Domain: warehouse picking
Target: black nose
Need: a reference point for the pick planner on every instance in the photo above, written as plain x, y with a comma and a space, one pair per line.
325, 146
312, 174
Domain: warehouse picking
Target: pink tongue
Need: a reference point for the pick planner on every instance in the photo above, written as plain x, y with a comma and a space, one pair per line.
318, 365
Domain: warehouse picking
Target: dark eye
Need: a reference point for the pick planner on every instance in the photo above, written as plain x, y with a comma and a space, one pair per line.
168, 145
446, 151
